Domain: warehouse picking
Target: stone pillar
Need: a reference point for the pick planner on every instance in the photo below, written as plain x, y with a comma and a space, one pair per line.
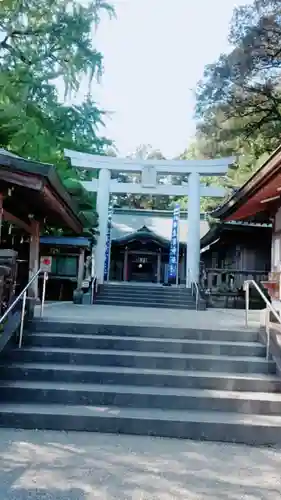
193, 229
125, 267
34, 246
102, 210
81, 263
159, 267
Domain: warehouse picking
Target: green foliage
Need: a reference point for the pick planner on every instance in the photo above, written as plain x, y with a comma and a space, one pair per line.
239, 97
143, 152
52, 38
41, 44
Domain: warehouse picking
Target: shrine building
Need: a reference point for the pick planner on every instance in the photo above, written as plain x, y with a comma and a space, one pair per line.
140, 244
258, 202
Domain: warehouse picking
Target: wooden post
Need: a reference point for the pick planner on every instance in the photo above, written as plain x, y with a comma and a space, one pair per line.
182, 268
125, 269
159, 266
81, 262
34, 257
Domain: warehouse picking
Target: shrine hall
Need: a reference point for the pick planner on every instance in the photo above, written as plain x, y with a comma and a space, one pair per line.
140, 244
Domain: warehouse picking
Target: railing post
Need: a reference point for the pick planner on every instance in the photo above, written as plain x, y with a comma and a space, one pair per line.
45, 278
267, 330
22, 317
197, 299
247, 302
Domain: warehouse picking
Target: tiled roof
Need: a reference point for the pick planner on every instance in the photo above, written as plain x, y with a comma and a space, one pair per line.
125, 222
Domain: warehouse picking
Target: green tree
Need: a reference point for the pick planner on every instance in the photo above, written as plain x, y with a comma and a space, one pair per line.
41, 44
52, 38
239, 97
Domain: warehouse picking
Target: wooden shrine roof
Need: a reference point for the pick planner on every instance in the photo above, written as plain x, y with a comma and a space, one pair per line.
34, 189
257, 199
240, 229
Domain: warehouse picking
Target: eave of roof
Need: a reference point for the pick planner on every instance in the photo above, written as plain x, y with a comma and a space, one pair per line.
217, 229
51, 182
76, 241
268, 171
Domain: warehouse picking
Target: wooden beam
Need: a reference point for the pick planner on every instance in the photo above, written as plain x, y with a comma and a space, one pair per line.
81, 263
16, 221
69, 218
21, 179
34, 258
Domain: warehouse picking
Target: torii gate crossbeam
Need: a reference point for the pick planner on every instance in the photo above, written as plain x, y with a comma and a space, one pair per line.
149, 185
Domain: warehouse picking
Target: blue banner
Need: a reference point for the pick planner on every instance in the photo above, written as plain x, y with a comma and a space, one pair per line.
108, 244
174, 245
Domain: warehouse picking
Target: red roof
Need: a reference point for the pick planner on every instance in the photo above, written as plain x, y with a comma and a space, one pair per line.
260, 194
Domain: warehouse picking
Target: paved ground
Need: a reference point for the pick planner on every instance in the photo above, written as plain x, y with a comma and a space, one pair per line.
212, 318
75, 466
36, 465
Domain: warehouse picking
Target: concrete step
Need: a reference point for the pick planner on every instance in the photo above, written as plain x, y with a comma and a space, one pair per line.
88, 374
143, 292
255, 430
145, 299
139, 303
152, 360
129, 288
147, 344
143, 331
147, 296
140, 397
157, 299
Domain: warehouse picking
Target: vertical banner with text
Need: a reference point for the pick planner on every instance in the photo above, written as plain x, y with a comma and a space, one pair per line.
108, 244
174, 245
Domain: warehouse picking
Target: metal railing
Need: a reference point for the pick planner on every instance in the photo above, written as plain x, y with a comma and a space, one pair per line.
270, 308
195, 292
194, 288
94, 288
23, 295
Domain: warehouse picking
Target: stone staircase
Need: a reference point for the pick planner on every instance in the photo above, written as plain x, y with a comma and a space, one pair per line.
147, 295
180, 383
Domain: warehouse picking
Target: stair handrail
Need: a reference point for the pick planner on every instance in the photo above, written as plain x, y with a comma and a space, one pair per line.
23, 295
94, 288
194, 288
270, 308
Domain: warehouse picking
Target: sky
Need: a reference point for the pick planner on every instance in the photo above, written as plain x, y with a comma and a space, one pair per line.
154, 54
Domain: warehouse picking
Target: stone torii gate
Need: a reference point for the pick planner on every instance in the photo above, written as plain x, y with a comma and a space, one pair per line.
149, 169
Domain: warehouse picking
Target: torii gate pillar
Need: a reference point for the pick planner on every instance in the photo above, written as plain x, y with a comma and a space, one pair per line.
193, 229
